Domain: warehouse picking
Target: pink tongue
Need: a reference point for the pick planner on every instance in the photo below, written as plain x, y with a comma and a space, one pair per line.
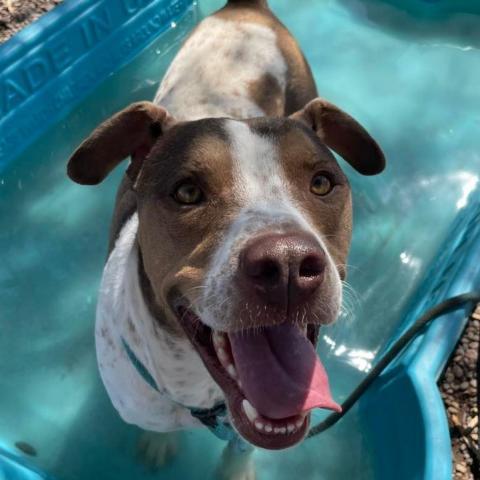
280, 372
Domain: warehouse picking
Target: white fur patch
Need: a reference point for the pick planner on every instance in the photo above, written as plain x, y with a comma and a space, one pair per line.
263, 191
257, 176
211, 74
172, 361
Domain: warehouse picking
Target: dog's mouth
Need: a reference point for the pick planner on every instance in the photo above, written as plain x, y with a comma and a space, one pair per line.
271, 377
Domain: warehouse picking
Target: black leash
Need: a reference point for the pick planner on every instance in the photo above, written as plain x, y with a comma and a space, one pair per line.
449, 305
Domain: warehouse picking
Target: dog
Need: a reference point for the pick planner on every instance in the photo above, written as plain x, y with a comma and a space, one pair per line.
229, 239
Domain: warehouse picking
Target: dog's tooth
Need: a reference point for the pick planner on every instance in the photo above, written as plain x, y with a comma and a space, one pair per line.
259, 425
219, 339
283, 430
222, 354
277, 430
268, 428
250, 411
299, 422
290, 427
231, 371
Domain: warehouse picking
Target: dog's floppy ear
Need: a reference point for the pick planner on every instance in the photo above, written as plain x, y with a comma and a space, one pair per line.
343, 134
132, 131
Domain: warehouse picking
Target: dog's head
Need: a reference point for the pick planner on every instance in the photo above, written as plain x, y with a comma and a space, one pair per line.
244, 231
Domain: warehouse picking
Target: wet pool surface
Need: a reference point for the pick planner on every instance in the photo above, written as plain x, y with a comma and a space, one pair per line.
413, 82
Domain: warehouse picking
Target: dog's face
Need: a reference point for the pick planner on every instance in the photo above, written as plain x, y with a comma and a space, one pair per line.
244, 231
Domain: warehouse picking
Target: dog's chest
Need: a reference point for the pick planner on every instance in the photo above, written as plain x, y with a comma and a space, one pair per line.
128, 344
221, 68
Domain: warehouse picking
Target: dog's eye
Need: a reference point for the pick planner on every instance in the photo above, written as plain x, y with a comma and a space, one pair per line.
188, 194
321, 185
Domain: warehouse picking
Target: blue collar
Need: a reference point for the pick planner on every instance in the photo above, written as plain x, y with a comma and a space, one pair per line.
139, 366
215, 418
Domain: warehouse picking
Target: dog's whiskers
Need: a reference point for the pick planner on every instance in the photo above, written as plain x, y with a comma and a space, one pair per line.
348, 266
351, 301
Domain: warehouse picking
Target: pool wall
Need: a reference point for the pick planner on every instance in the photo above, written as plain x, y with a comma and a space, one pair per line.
404, 414
436, 8
50, 66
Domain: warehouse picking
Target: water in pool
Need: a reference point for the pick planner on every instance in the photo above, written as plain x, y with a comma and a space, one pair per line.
412, 81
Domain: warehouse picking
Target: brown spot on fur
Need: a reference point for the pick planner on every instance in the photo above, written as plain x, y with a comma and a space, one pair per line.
131, 326
170, 343
300, 87
267, 93
104, 333
133, 332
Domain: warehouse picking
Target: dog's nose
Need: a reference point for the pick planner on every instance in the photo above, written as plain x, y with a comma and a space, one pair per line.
283, 267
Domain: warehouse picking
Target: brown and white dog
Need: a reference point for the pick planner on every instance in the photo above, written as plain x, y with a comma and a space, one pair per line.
230, 235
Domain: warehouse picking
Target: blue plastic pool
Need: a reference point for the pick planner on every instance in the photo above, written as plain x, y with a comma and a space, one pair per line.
408, 70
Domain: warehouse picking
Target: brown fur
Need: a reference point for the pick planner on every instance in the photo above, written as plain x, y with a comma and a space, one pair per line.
187, 236
267, 94
132, 131
343, 134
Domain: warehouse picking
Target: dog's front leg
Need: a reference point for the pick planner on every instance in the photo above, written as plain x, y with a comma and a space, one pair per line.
155, 448
236, 463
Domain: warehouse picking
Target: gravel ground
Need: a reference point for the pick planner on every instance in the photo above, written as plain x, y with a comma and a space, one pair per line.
459, 392
16, 14
458, 385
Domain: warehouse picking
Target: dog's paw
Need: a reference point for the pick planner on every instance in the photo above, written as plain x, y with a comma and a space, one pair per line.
244, 472
235, 465
247, 473
156, 449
